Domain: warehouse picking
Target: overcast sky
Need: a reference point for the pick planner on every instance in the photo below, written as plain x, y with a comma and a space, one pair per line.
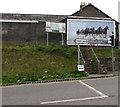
56, 7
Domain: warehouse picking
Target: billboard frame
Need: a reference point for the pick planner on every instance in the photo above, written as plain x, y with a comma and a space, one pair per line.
90, 20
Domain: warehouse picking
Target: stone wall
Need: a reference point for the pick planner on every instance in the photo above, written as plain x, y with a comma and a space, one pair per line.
107, 62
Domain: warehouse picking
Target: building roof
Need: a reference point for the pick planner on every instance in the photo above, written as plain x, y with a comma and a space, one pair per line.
90, 11
87, 11
35, 17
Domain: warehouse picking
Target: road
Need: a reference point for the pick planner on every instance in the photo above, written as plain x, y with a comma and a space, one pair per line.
102, 91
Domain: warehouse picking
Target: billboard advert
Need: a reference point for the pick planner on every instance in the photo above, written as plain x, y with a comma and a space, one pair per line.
89, 32
55, 27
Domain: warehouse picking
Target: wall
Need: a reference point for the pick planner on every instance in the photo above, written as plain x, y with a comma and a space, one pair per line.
24, 33
108, 63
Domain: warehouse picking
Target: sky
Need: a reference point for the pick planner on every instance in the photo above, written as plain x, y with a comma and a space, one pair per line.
56, 7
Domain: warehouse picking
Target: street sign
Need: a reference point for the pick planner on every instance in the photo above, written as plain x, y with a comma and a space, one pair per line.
80, 41
113, 59
81, 68
55, 27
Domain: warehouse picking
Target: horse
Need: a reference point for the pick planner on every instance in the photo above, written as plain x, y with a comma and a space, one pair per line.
101, 31
91, 31
104, 31
78, 32
98, 31
87, 31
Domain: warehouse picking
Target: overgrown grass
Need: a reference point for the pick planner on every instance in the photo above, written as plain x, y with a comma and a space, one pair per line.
38, 62
106, 51
33, 63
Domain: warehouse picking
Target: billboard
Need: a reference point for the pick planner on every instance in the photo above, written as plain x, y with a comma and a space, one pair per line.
55, 27
92, 32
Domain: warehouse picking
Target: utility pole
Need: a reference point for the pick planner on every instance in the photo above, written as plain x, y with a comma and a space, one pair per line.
47, 38
113, 66
78, 54
62, 41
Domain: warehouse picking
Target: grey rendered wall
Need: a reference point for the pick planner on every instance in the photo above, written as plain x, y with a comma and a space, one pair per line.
27, 33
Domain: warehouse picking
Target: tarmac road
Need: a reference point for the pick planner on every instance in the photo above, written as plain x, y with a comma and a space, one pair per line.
103, 91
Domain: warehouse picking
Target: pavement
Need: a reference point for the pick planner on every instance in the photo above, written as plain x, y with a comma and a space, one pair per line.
109, 74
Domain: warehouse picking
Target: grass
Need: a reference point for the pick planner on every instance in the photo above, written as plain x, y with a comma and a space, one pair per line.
106, 52
38, 62
33, 63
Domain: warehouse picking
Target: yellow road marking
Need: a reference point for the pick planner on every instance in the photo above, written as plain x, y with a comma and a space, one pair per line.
57, 82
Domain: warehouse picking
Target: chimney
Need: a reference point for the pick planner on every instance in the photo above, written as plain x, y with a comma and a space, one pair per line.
83, 4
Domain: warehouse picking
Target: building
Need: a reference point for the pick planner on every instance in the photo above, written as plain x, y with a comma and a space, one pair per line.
27, 28
30, 28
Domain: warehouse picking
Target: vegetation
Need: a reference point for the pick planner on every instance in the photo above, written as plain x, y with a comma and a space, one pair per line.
37, 62
33, 63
